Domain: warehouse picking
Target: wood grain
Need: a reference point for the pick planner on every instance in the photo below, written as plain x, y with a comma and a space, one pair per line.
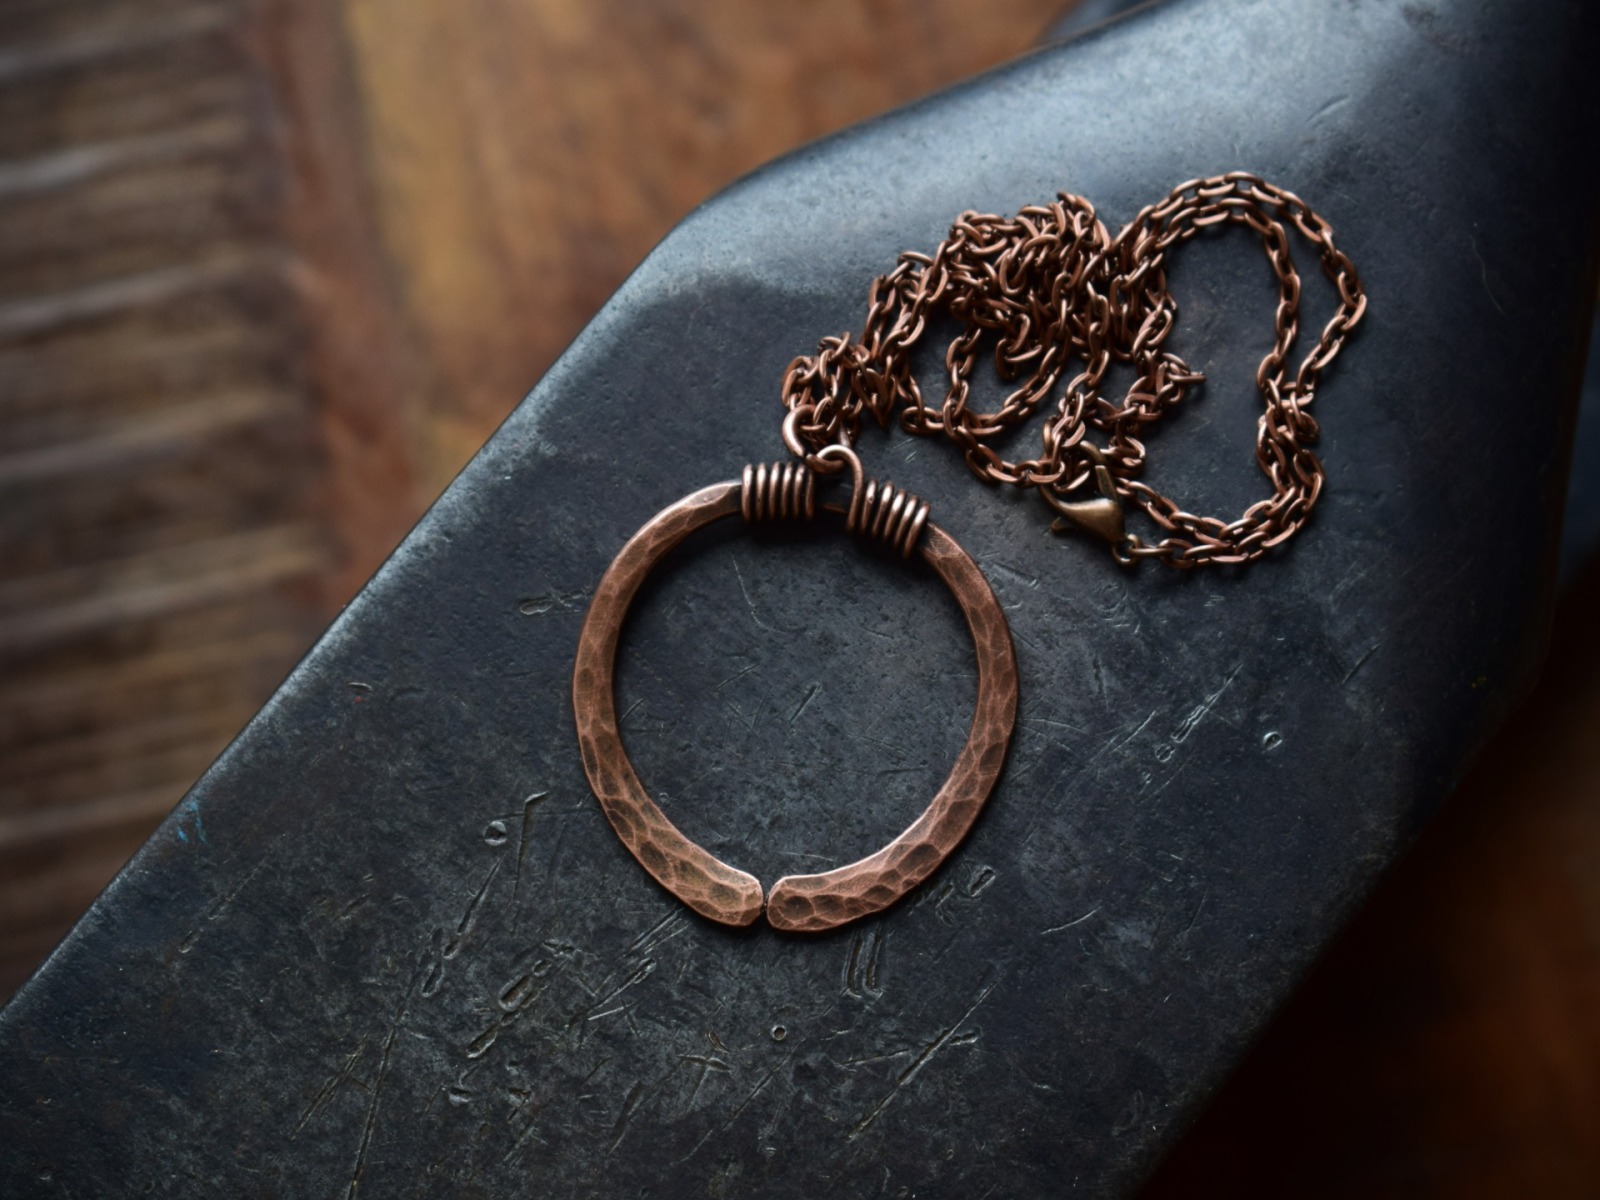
159, 461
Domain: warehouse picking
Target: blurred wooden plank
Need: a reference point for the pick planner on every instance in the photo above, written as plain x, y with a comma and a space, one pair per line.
119, 76
70, 601
166, 544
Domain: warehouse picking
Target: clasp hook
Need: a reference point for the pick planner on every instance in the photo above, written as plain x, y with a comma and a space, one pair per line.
1102, 515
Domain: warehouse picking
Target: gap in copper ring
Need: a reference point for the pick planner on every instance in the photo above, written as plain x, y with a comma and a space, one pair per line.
799, 712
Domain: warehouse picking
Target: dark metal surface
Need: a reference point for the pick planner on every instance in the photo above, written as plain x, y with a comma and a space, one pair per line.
389, 945
1580, 528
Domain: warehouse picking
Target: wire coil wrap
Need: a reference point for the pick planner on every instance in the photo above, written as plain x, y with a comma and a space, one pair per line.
881, 512
784, 491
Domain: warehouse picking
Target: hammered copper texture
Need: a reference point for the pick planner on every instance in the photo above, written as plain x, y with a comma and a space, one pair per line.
810, 903
799, 903
702, 881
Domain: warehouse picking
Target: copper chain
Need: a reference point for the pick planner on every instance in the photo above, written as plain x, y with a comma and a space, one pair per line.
1056, 290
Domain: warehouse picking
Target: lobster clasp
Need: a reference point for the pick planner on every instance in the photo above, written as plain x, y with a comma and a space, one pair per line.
1100, 515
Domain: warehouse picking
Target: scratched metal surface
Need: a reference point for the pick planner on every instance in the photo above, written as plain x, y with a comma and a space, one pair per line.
389, 946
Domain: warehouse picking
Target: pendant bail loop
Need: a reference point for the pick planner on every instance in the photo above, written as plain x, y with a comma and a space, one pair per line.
793, 438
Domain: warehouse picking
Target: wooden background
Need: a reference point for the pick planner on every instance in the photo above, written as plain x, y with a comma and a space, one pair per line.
271, 270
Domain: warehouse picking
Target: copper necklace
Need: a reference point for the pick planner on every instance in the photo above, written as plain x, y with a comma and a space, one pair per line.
1054, 289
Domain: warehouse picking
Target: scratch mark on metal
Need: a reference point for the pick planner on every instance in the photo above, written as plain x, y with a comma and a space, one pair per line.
1052, 724
331, 1084
1170, 779
738, 1112
648, 938
435, 976
749, 603
377, 1090
738, 713
1483, 270
1031, 580
1198, 909
644, 970
707, 1064
868, 1059
922, 1060
1114, 743
1330, 106
469, 918
629, 1104
856, 735
737, 675
1203, 709
1349, 581
1361, 662
529, 1132
584, 1082
217, 909
1071, 923
811, 694
522, 855
1024, 638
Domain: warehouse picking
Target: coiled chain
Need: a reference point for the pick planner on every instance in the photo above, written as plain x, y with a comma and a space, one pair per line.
1056, 289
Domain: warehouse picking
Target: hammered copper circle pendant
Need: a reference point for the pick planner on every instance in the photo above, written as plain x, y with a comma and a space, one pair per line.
796, 902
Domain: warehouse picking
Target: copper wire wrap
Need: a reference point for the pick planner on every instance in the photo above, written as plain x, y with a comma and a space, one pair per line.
881, 512
784, 491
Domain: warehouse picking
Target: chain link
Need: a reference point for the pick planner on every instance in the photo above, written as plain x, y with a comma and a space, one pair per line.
1063, 301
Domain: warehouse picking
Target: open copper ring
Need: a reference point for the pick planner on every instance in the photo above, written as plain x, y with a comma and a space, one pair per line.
797, 902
